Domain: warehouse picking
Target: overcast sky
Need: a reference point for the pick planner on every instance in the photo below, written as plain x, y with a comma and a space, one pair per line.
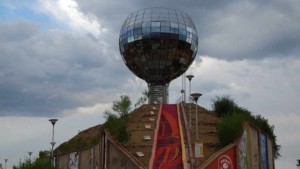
60, 59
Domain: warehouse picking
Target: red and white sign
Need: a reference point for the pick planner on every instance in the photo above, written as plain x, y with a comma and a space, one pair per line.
224, 162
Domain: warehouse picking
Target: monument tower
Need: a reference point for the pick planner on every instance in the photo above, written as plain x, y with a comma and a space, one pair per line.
158, 45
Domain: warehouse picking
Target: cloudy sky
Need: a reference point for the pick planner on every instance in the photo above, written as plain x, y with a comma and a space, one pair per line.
60, 59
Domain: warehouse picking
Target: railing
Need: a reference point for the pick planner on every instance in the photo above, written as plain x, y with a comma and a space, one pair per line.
179, 100
187, 135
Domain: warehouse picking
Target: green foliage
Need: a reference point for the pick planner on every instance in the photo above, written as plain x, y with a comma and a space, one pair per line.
39, 163
44, 154
122, 106
263, 124
64, 147
116, 126
231, 125
223, 105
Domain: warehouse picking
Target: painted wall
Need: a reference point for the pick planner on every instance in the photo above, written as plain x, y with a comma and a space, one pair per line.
63, 161
252, 150
85, 159
73, 160
242, 151
91, 158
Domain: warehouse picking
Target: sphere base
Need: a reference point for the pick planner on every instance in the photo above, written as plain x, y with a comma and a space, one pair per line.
159, 94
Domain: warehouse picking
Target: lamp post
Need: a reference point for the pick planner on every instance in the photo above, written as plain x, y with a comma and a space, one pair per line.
53, 121
196, 97
29, 153
190, 100
5, 160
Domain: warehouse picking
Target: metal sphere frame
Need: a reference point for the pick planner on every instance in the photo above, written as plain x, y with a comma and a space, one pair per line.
158, 45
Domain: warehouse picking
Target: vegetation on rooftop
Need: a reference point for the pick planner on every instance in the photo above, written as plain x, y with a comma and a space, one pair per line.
231, 125
84, 140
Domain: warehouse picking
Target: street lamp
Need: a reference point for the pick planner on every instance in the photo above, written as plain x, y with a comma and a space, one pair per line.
5, 160
53, 121
30, 156
196, 97
190, 79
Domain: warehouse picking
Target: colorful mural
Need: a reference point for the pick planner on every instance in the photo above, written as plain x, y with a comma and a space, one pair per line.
243, 151
168, 150
263, 151
73, 162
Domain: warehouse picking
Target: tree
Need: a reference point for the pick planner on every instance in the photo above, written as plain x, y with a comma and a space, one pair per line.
223, 105
122, 106
116, 124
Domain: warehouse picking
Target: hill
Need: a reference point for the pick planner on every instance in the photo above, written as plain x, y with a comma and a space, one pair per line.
141, 124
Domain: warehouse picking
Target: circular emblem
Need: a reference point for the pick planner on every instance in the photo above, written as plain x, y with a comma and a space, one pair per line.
224, 162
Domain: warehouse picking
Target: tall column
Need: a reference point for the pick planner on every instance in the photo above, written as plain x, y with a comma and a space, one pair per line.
158, 93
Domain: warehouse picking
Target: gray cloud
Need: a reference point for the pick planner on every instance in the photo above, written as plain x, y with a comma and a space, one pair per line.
51, 65
248, 49
228, 30
41, 70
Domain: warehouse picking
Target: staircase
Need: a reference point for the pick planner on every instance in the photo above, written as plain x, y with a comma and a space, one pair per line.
168, 153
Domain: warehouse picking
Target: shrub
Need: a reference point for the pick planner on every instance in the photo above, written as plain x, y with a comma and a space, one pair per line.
223, 105
39, 163
230, 127
117, 128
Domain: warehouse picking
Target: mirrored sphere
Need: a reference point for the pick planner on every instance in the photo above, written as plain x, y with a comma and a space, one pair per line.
158, 44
